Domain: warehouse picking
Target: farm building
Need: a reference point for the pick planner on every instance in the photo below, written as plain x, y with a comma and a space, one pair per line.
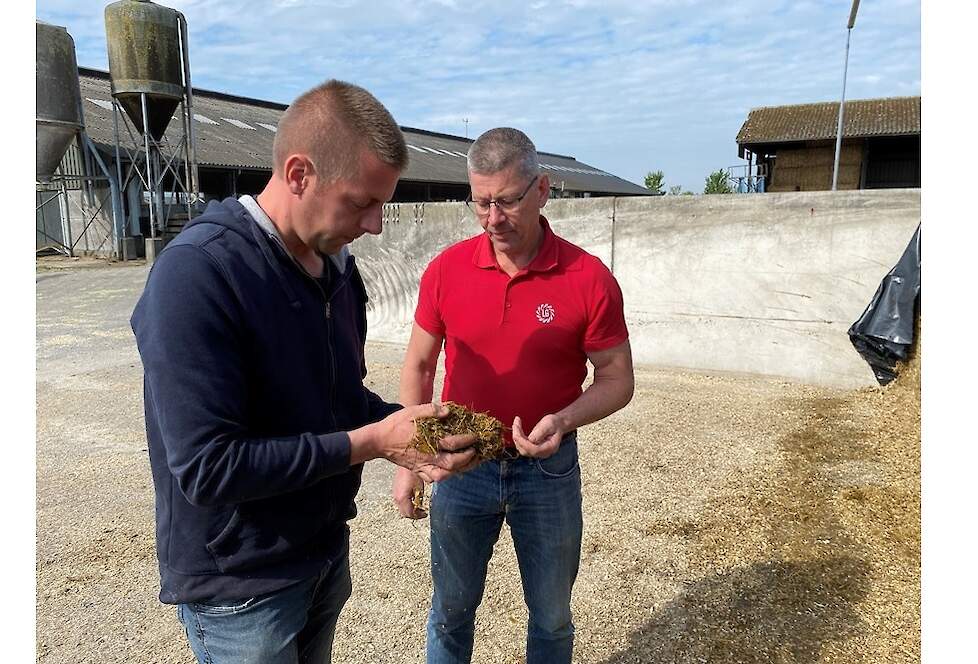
793, 147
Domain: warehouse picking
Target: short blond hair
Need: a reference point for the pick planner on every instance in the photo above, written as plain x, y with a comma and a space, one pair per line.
331, 123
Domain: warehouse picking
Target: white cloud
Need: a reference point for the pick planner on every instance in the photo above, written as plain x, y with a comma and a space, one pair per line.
625, 86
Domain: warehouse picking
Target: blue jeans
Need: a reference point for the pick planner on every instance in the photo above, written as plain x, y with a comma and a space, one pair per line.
295, 624
541, 502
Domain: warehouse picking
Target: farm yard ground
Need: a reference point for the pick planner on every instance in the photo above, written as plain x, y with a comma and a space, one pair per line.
728, 518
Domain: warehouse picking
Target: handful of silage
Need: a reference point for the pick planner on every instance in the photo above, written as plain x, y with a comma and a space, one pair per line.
459, 421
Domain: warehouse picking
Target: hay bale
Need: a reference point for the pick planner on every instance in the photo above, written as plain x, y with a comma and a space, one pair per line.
810, 168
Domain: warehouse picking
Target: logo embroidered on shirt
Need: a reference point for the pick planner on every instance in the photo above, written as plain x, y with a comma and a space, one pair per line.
545, 313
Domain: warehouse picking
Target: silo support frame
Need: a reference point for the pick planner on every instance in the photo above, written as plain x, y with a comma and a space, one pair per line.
150, 161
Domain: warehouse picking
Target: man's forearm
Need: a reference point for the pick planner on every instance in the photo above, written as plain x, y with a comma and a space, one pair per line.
363, 444
417, 385
602, 398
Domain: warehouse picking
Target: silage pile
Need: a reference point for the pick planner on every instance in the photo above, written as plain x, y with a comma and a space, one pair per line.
835, 536
814, 554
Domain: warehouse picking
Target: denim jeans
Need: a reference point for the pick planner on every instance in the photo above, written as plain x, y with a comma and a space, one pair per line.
295, 624
541, 502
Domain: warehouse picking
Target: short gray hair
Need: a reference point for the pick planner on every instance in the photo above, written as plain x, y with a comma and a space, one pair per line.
501, 148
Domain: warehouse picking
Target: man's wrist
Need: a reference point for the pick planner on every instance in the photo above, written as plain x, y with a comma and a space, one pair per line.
363, 444
564, 421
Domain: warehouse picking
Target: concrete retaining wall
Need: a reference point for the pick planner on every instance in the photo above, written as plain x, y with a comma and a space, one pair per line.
758, 283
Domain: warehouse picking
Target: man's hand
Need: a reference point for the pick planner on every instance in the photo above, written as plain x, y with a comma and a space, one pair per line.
405, 484
543, 441
392, 438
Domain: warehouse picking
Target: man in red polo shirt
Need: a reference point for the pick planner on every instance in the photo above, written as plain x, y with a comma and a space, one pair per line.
520, 312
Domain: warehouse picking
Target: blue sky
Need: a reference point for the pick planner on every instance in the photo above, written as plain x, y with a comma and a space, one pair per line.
628, 87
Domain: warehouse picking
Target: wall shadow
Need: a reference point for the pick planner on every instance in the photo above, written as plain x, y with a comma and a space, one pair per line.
774, 611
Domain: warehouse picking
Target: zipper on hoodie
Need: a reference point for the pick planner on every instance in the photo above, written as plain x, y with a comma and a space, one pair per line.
329, 333
332, 362
326, 309
326, 306
329, 345
329, 326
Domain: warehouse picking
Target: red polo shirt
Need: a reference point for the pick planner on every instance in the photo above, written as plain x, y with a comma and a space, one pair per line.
517, 346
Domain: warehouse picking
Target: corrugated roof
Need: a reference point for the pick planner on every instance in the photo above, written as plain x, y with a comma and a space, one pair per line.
890, 116
237, 132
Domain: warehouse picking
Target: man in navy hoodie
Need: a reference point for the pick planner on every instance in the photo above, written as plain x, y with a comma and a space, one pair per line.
251, 330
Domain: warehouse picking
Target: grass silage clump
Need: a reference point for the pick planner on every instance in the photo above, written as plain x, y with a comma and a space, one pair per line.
459, 421
488, 432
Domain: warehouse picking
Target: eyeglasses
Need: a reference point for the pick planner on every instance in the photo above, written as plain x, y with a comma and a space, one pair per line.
505, 205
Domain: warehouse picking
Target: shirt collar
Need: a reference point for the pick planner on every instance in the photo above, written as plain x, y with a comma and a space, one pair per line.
546, 258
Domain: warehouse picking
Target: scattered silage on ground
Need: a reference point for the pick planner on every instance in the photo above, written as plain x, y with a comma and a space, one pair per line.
727, 519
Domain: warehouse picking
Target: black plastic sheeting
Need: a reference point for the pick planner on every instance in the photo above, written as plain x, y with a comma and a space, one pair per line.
884, 333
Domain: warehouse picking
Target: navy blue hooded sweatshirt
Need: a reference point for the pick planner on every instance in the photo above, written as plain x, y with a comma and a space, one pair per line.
253, 372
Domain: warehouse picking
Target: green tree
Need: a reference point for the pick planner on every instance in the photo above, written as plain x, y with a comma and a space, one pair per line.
654, 181
675, 190
716, 183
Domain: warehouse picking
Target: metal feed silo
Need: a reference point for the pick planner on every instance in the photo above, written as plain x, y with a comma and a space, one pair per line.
58, 97
144, 58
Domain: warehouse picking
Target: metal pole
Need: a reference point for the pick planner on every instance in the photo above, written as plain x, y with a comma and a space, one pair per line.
66, 218
842, 104
149, 168
194, 177
118, 157
185, 153
186, 164
162, 214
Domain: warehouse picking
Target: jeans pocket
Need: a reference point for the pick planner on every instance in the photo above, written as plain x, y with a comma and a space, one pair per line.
224, 608
562, 463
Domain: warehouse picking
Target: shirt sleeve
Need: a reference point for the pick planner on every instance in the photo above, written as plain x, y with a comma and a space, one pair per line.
428, 312
606, 313
378, 408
